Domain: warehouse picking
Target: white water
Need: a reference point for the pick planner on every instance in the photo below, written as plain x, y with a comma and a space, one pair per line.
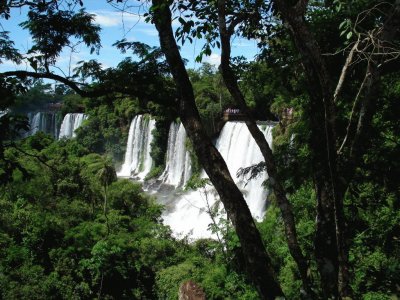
42, 121
239, 150
187, 211
137, 160
178, 164
70, 123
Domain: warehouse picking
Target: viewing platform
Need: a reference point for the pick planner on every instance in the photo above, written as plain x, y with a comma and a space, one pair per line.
233, 114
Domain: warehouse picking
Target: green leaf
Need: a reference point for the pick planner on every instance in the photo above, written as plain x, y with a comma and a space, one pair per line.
349, 35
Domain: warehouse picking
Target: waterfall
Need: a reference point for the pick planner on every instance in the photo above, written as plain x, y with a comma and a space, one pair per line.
137, 160
178, 164
42, 121
239, 149
70, 123
186, 212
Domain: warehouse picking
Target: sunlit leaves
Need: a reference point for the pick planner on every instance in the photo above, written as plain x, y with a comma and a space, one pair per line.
346, 28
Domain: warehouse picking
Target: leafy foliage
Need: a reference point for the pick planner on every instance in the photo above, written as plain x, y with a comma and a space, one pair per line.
66, 251
51, 29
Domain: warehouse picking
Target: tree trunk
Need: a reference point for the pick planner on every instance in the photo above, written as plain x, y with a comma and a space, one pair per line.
279, 192
258, 262
330, 215
388, 32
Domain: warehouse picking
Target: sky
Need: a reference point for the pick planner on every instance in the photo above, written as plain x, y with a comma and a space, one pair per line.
115, 26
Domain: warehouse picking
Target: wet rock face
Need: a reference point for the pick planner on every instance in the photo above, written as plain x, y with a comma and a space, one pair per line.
191, 291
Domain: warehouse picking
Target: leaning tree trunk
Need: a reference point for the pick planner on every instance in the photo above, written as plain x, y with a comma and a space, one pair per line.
284, 205
330, 215
258, 262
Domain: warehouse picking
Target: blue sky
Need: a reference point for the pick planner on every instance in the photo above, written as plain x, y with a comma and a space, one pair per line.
115, 26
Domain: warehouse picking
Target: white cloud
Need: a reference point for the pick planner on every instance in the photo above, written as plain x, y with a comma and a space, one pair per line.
107, 18
214, 59
107, 21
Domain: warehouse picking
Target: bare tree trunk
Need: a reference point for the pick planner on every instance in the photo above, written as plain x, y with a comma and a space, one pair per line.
258, 262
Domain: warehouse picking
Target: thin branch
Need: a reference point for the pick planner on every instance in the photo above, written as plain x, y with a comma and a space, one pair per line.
379, 38
344, 71
353, 112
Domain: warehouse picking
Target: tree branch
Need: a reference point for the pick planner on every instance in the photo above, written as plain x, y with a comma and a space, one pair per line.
351, 123
379, 39
345, 68
73, 85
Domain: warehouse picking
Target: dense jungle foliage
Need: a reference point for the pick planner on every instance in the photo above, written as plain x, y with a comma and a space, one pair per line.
69, 229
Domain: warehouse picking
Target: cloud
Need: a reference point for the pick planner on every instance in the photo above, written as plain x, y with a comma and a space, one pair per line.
126, 22
214, 59
107, 18
107, 21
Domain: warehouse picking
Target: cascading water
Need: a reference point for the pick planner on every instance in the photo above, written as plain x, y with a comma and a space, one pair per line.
178, 164
188, 168
42, 121
70, 123
239, 149
187, 211
138, 161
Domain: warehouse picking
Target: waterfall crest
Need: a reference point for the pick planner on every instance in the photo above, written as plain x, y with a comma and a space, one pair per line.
70, 123
138, 161
178, 163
